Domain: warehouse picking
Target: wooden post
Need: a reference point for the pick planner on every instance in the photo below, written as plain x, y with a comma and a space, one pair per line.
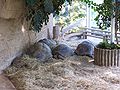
106, 57
85, 35
56, 32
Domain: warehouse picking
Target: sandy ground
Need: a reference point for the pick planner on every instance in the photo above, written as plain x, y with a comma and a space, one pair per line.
73, 73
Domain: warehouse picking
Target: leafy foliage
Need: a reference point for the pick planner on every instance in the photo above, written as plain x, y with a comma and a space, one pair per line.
106, 45
104, 12
71, 13
38, 11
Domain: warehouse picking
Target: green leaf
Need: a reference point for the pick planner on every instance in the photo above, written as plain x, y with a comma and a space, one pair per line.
70, 1
31, 2
48, 5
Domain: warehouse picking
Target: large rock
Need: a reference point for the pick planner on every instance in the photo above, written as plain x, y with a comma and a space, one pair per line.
50, 43
62, 51
41, 51
85, 48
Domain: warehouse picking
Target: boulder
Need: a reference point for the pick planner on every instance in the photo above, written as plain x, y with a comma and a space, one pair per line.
41, 51
62, 51
85, 48
51, 43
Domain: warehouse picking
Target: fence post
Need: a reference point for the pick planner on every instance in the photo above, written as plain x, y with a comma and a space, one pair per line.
85, 35
105, 38
56, 32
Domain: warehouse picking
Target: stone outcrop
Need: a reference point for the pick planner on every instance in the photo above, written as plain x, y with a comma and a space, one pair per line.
14, 34
12, 8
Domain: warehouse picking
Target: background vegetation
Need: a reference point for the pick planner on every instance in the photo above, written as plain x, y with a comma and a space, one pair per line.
38, 12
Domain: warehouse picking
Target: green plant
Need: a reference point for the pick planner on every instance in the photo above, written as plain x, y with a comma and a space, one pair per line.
105, 10
106, 45
108, 10
38, 11
71, 13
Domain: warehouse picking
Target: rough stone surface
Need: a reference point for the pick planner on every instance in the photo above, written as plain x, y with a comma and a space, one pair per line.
14, 33
51, 43
62, 51
85, 48
14, 37
12, 8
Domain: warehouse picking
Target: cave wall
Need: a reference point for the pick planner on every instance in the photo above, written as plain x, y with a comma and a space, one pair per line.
14, 33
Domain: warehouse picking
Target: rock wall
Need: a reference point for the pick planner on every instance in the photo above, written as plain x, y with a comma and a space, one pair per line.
14, 35
12, 8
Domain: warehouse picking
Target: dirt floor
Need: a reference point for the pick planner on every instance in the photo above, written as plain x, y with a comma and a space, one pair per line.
73, 73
